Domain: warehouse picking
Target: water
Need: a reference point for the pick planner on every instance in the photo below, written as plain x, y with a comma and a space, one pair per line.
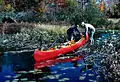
21, 67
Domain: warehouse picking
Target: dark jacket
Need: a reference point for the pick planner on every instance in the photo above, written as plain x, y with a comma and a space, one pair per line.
73, 30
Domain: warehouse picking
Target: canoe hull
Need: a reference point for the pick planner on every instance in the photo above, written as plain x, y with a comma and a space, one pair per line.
45, 55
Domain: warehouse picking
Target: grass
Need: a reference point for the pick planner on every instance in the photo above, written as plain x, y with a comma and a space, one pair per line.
54, 28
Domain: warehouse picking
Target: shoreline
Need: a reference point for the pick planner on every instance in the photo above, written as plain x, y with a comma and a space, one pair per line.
31, 50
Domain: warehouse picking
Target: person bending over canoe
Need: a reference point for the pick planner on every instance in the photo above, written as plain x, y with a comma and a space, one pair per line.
73, 32
91, 30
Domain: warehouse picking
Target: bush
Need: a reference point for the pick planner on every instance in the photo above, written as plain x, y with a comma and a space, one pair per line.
76, 14
90, 15
32, 38
72, 13
71, 3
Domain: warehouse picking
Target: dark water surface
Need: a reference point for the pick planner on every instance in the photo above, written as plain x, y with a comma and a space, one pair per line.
19, 67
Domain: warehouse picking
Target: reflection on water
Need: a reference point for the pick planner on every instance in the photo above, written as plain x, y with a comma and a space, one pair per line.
21, 67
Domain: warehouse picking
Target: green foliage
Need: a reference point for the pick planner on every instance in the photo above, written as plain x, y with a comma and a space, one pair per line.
119, 9
7, 14
28, 16
71, 3
31, 38
76, 14
71, 13
1, 1
90, 15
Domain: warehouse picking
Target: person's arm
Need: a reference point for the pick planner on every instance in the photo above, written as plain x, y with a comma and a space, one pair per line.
76, 29
86, 28
93, 28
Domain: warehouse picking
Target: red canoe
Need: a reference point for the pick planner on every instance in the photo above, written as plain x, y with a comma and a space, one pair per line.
48, 54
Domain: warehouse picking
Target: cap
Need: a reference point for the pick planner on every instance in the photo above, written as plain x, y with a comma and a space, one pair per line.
83, 23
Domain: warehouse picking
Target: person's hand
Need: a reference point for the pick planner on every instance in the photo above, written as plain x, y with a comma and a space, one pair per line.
80, 34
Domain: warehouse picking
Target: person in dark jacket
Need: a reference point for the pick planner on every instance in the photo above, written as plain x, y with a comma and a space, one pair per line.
73, 33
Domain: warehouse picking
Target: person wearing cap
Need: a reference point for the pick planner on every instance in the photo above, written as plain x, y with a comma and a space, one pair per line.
73, 32
91, 30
